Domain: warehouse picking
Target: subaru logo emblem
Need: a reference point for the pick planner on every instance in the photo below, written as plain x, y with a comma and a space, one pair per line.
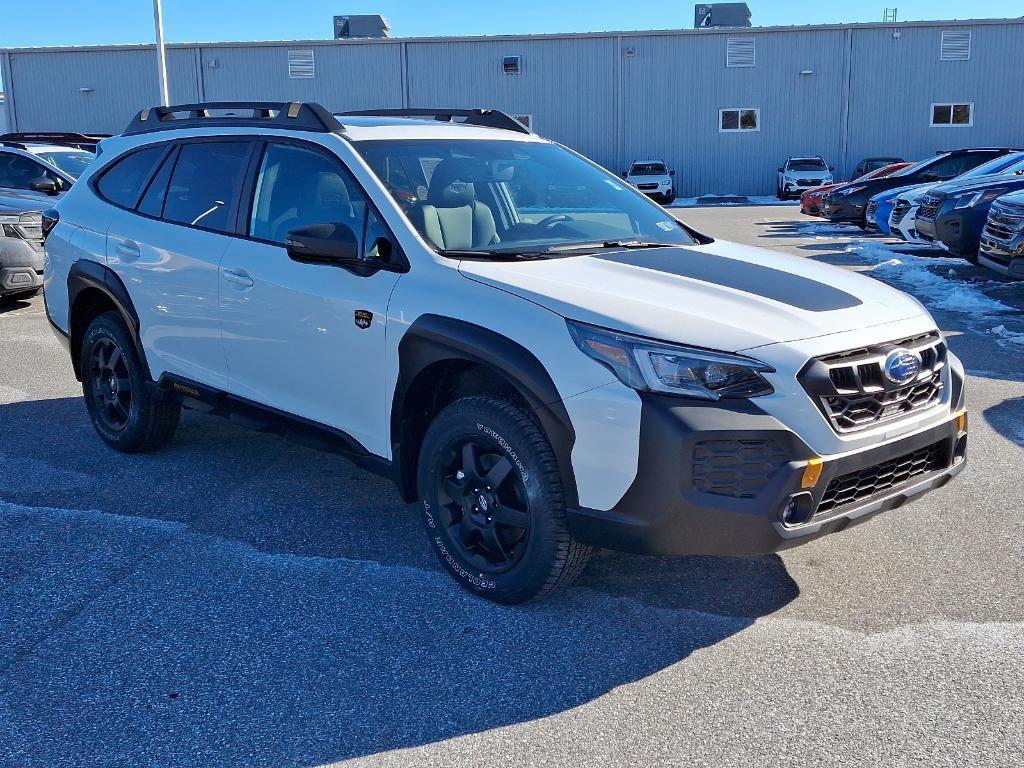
902, 366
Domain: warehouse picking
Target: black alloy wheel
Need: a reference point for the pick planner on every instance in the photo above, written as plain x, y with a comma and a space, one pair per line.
111, 389
483, 505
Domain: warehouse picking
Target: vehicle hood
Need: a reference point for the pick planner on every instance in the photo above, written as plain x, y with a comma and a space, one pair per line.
721, 296
18, 201
654, 179
821, 190
891, 194
978, 183
821, 174
1013, 198
912, 193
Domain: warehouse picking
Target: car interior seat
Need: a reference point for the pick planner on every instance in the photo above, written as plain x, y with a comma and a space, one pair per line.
451, 217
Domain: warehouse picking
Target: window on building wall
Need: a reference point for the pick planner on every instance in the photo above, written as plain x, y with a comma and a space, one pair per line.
740, 119
956, 115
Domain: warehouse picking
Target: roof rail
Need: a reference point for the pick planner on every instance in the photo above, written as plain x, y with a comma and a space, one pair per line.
485, 118
295, 116
80, 140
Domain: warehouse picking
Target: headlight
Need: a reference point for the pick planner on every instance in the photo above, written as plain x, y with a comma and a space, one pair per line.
849, 191
971, 199
654, 366
25, 226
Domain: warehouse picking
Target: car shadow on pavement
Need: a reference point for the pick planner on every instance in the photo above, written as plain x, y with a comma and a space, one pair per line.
235, 599
1007, 418
12, 305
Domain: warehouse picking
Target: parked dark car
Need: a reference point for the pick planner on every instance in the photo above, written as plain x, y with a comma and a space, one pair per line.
869, 164
954, 213
1002, 239
848, 202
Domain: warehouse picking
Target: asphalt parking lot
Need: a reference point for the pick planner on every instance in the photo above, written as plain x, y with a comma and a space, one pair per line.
238, 600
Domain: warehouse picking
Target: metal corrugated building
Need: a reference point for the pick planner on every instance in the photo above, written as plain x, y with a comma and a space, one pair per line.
842, 91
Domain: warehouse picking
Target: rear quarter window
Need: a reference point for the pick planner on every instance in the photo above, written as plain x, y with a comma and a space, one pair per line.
122, 183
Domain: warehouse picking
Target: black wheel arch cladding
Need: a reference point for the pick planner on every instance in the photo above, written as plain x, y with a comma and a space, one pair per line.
435, 339
86, 275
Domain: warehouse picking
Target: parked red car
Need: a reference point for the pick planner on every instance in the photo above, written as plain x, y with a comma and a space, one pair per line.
810, 201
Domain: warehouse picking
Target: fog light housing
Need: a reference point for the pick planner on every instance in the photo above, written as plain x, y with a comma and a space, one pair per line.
960, 449
796, 510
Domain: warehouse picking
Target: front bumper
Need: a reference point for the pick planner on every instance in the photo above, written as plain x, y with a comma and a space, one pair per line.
676, 506
844, 209
957, 229
1004, 257
21, 266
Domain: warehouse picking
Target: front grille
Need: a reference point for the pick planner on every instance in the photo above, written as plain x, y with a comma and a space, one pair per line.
808, 182
1004, 222
864, 483
869, 215
899, 211
929, 208
647, 186
853, 393
738, 468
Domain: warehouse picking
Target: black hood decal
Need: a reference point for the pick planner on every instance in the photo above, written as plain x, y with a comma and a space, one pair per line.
783, 287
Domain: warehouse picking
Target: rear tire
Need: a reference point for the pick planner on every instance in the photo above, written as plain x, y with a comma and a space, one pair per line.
494, 504
124, 408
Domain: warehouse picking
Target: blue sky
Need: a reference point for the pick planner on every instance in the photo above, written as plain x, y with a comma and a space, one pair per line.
74, 22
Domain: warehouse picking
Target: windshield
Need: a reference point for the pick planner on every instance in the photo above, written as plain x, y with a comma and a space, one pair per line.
648, 169
807, 164
1000, 164
72, 163
915, 167
493, 197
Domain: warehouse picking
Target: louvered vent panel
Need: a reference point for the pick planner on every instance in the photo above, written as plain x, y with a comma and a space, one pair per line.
739, 51
956, 46
300, 64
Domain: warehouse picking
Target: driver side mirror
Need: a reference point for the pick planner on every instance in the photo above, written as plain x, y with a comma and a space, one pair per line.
329, 243
671, 173
780, 169
49, 186
625, 174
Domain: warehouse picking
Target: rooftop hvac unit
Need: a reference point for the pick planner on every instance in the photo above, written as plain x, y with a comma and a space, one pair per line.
721, 15
373, 25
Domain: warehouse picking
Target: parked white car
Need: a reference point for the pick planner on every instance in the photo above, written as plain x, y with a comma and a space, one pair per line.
653, 178
904, 213
539, 379
798, 174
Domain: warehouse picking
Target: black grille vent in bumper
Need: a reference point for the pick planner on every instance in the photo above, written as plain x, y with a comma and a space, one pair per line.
929, 207
857, 486
738, 468
853, 393
900, 211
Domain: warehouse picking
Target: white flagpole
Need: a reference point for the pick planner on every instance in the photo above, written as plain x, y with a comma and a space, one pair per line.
161, 52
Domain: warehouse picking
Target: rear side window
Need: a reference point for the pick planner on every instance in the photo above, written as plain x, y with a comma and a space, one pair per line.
205, 184
122, 183
153, 201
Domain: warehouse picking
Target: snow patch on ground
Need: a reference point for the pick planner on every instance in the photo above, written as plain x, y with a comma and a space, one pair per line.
938, 291
1011, 337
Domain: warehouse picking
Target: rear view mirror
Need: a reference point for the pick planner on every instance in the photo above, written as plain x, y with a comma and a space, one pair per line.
49, 186
329, 243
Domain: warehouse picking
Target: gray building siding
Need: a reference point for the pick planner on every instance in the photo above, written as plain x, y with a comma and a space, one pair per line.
613, 97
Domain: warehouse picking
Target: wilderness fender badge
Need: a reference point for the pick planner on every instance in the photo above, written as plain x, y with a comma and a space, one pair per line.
363, 318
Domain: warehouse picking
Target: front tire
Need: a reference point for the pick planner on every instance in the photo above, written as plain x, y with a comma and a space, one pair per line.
494, 504
124, 409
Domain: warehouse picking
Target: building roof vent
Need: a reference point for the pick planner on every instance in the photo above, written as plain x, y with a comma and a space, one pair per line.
367, 25
511, 65
300, 64
739, 51
707, 16
956, 46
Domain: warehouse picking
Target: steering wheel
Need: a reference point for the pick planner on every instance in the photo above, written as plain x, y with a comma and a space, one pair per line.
550, 221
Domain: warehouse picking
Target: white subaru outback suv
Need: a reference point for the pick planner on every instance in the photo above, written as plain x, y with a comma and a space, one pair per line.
541, 379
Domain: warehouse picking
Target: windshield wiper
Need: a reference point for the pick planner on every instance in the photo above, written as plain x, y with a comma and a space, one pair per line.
610, 244
509, 255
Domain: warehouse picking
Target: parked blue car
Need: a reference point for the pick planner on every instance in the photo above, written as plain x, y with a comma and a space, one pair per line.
876, 215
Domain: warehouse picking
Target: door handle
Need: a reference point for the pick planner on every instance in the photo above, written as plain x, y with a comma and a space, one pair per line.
128, 249
239, 277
